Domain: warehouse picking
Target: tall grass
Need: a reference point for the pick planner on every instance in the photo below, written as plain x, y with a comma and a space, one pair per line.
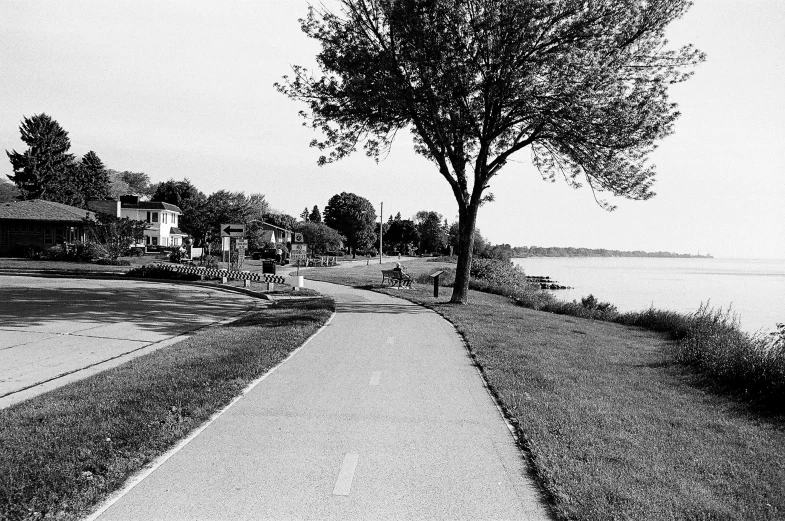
709, 340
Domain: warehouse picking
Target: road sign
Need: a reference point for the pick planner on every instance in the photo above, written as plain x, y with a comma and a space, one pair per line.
298, 237
299, 248
241, 243
232, 230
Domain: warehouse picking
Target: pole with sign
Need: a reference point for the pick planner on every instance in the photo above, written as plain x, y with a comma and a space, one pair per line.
229, 232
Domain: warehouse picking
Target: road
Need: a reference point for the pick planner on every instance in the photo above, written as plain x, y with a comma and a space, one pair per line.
56, 330
380, 416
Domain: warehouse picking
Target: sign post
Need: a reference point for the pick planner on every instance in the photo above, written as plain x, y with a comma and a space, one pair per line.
229, 232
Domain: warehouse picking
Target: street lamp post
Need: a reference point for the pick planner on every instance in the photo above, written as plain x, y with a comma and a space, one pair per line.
381, 230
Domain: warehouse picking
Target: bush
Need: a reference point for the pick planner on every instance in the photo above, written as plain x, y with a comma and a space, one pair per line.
498, 272
157, 271
113, 262
176, 255
714, 345
75, 252
446, 279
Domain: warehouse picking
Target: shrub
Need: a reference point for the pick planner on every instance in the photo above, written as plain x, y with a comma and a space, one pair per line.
113, 262
446, 279
176, 255
498, 272
714, 345
676, 325
75, 252
158, 271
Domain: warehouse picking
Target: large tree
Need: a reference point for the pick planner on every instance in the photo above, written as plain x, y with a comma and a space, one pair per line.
581, 83
433, 237
92, 177
354, 217
138, 183
319, 237
43, 167
191, 201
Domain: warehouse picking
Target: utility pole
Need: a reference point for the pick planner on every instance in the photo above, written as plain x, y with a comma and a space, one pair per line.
381, 230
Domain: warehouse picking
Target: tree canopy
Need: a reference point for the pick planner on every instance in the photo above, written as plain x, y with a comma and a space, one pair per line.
319, 237
354, 217
46, 170
44, 165
581, 83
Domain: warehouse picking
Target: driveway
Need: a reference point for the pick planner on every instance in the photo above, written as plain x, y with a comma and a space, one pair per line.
56, 330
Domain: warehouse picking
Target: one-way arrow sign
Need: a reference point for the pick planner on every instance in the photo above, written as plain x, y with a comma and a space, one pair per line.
232, 230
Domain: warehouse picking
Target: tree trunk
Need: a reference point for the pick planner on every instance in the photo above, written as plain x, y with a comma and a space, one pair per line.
466, 221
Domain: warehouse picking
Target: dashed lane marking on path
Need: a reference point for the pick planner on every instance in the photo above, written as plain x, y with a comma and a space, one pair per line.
344, 483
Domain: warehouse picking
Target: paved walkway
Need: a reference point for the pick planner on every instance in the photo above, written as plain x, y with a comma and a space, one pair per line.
57, 330
380, 416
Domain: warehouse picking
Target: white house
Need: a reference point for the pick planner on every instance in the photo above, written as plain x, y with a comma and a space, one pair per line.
162, 218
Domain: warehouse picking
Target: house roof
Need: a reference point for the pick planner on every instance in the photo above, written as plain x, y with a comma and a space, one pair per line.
151, 205
40, 210
176, 231
266, 225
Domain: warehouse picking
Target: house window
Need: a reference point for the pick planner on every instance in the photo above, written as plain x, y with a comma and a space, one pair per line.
155, 241
155, 217
164, 218
174, 219
48, 237
147, 240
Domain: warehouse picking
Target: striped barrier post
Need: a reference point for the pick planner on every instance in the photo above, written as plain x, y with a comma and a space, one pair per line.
229, 274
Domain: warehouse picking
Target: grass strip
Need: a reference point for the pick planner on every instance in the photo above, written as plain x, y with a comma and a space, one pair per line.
614, 430
63, 452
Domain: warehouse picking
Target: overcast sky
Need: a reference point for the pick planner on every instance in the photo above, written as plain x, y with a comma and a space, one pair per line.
185, 89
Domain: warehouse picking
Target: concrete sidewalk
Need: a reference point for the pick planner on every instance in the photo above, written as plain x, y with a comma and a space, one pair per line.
380, 416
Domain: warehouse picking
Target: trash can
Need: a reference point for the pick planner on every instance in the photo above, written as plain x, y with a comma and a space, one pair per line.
268, 266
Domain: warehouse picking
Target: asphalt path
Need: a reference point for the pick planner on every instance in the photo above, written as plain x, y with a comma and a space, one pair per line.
381, 415
57, 330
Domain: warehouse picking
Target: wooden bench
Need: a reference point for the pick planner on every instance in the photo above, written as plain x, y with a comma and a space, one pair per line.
396, 278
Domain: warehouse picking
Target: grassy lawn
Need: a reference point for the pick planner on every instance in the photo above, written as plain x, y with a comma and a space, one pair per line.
63, 452
17, 263
612, 428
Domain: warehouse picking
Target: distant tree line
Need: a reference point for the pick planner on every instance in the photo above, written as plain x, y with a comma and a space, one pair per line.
506, 251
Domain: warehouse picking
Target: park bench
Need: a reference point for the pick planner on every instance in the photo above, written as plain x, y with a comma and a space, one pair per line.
396, 278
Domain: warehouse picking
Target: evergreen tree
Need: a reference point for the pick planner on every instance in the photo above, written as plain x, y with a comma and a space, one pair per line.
316, 215
304, 215
44, 166
92, 178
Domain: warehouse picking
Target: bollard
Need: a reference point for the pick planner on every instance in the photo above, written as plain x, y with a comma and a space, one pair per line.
247, 283
270, 286
224, 280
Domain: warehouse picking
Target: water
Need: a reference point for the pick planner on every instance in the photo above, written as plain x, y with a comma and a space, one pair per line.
753, 289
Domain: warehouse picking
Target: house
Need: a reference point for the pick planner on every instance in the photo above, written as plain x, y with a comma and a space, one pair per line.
276, 234
39, 224
162, 218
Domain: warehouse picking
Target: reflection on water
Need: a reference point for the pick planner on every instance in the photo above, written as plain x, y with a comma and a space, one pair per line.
754, 289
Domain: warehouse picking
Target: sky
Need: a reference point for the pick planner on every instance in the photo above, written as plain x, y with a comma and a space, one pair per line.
184, 89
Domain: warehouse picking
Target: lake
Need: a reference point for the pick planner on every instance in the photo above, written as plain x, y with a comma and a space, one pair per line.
753, 289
